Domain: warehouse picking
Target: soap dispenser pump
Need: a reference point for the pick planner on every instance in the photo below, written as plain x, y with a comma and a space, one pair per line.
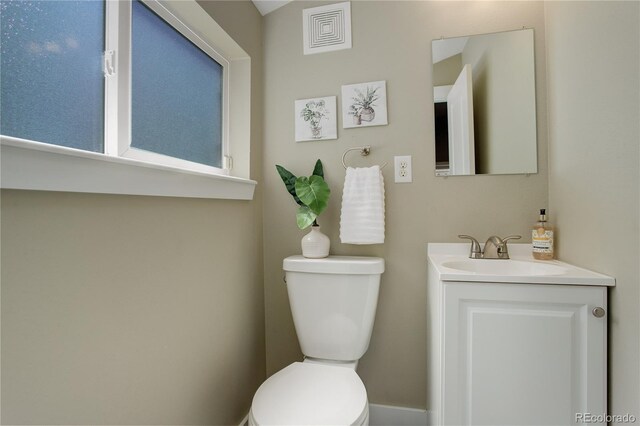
542, 238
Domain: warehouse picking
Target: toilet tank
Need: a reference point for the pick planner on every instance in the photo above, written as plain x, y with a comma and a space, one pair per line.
333, 302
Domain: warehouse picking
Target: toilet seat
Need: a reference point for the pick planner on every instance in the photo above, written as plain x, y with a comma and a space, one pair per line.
311, 394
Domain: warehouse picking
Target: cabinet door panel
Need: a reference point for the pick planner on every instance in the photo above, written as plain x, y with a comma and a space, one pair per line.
522, 354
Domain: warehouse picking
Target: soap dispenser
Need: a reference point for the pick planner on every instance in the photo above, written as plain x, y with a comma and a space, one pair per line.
542, 238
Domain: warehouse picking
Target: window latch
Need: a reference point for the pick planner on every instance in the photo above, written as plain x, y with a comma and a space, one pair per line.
109, 63
228, 162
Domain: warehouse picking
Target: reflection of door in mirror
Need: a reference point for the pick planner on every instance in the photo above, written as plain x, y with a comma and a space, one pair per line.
503, 117
454, 133
440, 94
460, 125
442, 139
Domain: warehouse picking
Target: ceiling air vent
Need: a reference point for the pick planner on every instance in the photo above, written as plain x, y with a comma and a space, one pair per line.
327, 28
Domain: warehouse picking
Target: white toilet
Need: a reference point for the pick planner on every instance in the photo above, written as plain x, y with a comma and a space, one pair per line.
333, 302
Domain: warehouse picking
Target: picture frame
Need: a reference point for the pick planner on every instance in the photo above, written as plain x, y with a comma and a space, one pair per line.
316, 119
364, 104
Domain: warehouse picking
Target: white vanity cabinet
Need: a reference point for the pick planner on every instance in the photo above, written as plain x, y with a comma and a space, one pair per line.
516, 353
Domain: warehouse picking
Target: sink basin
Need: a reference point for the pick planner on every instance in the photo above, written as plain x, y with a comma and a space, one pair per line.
505, 267
450, 262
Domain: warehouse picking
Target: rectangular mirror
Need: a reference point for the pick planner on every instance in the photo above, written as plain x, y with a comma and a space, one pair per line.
485, 104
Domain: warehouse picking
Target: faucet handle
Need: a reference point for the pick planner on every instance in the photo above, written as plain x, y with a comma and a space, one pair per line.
503, 250
511, 237
476, 251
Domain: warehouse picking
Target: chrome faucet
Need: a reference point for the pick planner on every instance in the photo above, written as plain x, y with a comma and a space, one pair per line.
476, 251
494, 248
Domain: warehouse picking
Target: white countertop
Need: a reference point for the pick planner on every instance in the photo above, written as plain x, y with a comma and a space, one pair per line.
556, 272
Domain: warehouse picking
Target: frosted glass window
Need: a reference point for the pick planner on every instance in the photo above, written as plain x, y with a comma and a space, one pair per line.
51, 80
176, 99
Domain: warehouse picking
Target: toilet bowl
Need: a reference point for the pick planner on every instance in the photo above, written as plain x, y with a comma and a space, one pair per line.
333, 302
306, 393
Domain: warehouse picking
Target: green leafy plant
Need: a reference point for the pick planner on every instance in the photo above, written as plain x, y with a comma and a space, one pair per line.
311, 193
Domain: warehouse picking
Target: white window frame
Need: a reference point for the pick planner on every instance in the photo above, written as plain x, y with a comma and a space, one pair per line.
33, 165
118, 85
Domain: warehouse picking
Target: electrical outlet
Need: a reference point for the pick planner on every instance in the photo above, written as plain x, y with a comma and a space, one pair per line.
402, 168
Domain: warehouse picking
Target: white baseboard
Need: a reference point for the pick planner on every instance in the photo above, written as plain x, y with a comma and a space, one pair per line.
387, 415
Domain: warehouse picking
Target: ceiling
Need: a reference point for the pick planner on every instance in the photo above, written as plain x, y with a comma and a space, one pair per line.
448, 47
266, 6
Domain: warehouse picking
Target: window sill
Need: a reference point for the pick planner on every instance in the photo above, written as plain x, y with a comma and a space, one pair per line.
37, 166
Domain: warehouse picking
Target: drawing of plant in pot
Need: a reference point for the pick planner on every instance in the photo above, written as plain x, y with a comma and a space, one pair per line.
313, 112
362, 106
355, 112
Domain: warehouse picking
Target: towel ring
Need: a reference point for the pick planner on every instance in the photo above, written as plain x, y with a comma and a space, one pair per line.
364, 151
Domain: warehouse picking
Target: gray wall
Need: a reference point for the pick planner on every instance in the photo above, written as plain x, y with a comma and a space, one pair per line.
504, 107
593, 57
136, 310
446, 72
392, 42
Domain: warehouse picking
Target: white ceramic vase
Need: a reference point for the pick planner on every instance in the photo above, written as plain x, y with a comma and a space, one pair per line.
315, 244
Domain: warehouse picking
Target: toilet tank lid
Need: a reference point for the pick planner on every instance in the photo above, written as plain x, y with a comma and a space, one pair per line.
335, 265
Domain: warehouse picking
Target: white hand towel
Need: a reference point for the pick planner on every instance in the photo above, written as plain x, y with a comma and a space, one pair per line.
362, 215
